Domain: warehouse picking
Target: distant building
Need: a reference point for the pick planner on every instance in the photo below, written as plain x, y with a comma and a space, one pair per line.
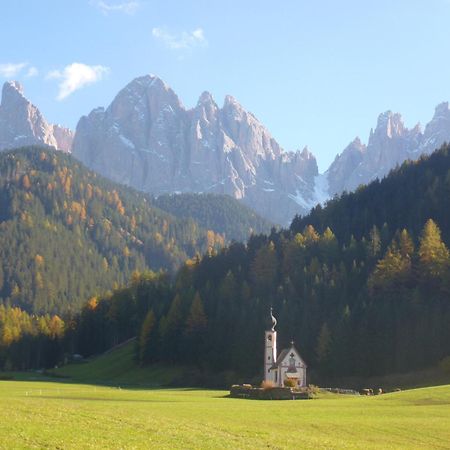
287, 365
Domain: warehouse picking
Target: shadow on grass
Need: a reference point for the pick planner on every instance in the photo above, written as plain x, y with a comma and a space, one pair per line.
66, 380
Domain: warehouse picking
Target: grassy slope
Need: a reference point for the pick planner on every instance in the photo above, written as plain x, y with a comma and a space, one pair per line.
119, 368
61, 415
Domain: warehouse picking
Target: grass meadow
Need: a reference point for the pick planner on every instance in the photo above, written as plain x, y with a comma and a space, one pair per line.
110, 402
45, 414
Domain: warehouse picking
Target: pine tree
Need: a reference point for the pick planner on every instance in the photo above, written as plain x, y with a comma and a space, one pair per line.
323, 346
172, 330
374, 242
196, 321
145, 338
194, 332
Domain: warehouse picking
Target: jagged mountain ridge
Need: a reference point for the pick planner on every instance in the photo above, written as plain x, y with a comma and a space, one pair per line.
21, 123
147, 139
389, 145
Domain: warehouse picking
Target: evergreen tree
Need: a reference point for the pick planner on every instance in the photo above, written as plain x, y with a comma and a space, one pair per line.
195, 331
323, 347
147, 341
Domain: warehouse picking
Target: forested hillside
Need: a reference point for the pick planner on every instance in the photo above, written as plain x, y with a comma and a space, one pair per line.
220, 213
409, 196
372, 301
67, 233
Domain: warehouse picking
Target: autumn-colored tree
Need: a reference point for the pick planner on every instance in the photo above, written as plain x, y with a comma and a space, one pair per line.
26, 182
434, 257
391, 272
264, 267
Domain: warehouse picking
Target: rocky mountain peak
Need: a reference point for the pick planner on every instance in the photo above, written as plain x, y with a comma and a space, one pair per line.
437, 130
389, 124
344, 165
12, 95
206, 99
12, 88
306, 153
21, 123
357, 144
147, 139
441, 110
232, 107
207, 107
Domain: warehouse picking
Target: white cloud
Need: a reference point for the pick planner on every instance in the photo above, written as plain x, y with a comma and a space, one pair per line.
76, 76
10, 70
127, 7
181, 41
32, 72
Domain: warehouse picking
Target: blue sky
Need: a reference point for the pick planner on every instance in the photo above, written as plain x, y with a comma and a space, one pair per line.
316, 73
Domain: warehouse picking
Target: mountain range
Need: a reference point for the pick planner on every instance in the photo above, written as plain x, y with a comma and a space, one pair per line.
148, 140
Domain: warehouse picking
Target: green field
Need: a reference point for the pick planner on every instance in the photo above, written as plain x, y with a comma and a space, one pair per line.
39, 414
93, 409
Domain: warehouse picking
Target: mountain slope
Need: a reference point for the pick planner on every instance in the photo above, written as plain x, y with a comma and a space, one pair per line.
220, 213
67, 234
21, 123
148, 140
389, 145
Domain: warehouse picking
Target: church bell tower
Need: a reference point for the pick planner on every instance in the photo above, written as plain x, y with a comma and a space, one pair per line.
270, 352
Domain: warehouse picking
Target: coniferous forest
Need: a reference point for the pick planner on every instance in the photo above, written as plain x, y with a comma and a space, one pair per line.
361, 285
67, 234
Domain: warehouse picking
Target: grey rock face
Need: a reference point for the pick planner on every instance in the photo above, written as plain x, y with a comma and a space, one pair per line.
390, 144
21, 123
437, 131
344, 165
148, 140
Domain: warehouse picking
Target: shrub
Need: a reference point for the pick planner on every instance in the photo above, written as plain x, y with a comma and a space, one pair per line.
290, 382
267, 384
312, 389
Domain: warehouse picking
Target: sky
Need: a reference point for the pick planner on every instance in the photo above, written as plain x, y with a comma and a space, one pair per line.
315, 73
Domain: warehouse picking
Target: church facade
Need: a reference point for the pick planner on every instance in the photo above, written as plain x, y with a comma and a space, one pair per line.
288, 365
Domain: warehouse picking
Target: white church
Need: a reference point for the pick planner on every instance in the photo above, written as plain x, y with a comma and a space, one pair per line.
288, 365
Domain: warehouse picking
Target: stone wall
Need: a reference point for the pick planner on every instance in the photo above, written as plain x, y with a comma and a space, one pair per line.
275, 393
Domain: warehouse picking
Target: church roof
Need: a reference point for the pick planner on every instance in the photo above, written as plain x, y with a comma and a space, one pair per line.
283, 355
